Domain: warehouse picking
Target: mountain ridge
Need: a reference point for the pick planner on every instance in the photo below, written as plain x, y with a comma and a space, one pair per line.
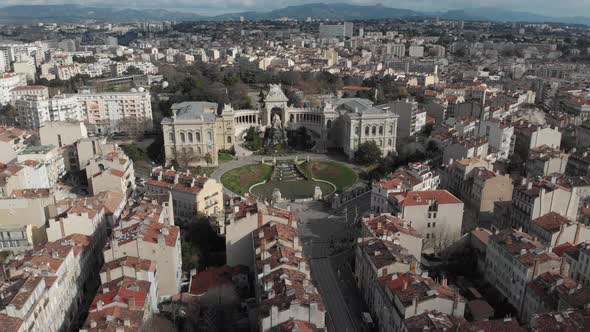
332, 11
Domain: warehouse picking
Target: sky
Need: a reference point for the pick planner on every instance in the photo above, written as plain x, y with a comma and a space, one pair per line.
555, 8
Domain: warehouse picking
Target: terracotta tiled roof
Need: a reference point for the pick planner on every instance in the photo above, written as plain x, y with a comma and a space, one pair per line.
10, 324
130, 261
551, 222
387, 224
414, 198
495, 325
113, 320
120, 291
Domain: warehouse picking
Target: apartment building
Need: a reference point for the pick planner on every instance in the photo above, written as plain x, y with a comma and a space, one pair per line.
528, 136
416, 177
64, 135
32, 111
578, 163
513, 259
12, 141
129, 112
113, 171
191, 194
561, 321
150, 240
470, 147
553, 229
553, 292
577, 260
282, 279
47, 286
401, 296
544, 160
19, 92
23, 217
393, 229
436, 214
472, 181
43, 166
92, 216
535, 197
500, 136
122, 304
241, 219
9, 81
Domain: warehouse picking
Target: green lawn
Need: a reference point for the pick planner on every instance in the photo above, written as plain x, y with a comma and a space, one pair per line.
240, 179
225, 157
338, 174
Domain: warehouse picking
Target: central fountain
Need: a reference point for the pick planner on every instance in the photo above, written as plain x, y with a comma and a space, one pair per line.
275, 135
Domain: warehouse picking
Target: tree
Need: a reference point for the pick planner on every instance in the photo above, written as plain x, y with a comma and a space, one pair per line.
185, 157
367, 153
252, 141
439, 240
132, 70
134, 152
208, 158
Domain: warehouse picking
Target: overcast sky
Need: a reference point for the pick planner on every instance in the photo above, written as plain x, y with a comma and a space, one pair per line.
554, 8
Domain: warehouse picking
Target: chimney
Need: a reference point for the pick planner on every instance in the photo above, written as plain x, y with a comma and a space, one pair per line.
105, 290
165, 231
176, 176
295, 242
99, 304
535, 268
127, 322
92, 323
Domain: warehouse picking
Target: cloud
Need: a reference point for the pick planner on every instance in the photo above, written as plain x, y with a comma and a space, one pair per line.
545, 7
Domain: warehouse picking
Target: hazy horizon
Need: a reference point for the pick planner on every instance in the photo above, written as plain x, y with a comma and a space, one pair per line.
539, 7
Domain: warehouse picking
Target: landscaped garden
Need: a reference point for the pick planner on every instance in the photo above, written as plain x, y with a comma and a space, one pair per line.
239, 180
338, 174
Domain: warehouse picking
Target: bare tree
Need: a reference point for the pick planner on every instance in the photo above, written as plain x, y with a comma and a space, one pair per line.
439, 240
185, 157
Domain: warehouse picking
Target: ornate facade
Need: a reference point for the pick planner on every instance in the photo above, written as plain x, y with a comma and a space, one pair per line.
197, 131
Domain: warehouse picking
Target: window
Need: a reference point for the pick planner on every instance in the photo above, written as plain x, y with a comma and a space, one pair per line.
374, 131
389, 142
190, 137
198, 137
229, 139
182, 138
329, 124
391, 129
380, 130
209, 137
367, 130
59, 140
428, 225
171, 136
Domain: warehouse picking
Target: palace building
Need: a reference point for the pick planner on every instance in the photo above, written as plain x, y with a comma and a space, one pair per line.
197, 131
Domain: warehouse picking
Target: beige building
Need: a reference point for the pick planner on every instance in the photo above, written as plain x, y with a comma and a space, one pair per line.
64, 135
477, 186
191, 194
24, 215
155, 241
393, 229
436, 214
194, 133
111, 172
12, 141
241, 220
578, 263
544, 160
470, 147
513, 259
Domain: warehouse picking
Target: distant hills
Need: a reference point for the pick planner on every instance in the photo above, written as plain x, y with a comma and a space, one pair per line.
333, 11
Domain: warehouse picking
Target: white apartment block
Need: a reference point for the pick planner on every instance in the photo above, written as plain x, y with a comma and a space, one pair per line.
436, 214
44, 164
29, 90
8, 82
116, 111
32, 111
500, 136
